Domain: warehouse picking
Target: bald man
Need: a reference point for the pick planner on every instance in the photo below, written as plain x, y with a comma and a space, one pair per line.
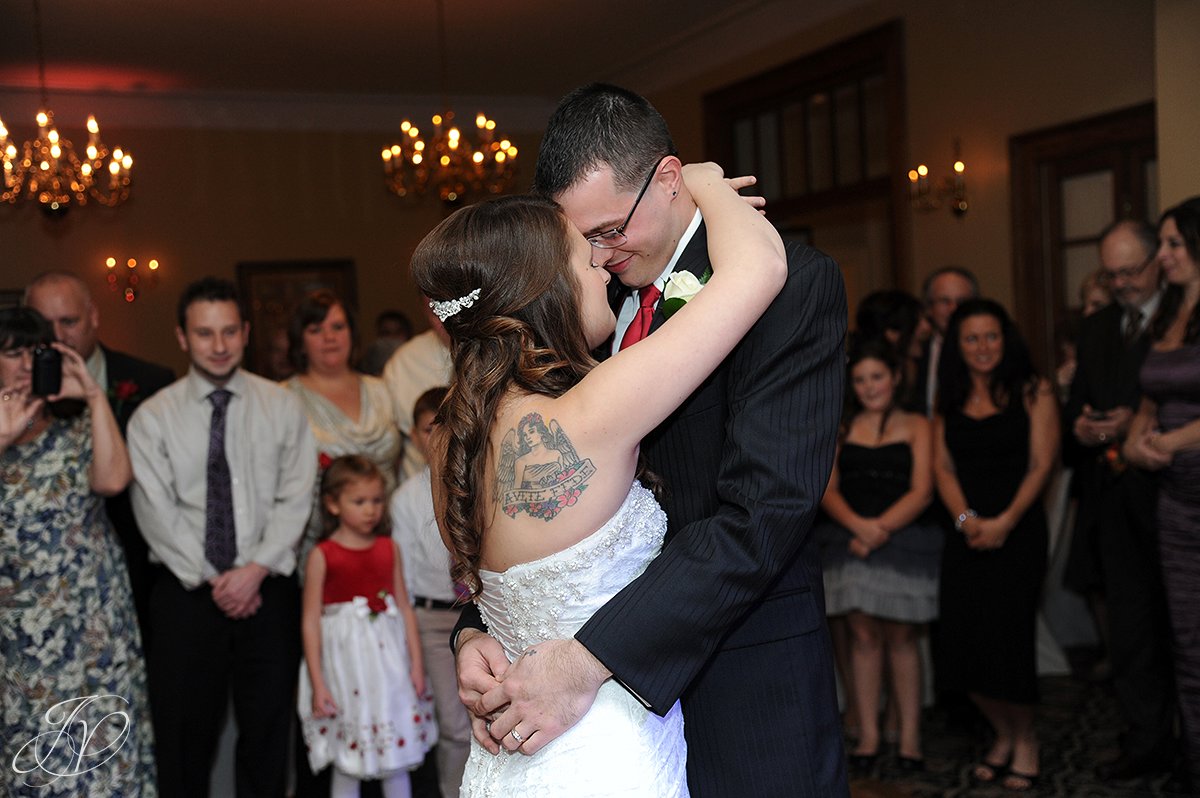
66, 302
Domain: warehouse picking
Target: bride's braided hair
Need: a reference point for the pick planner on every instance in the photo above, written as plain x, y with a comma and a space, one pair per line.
522, 334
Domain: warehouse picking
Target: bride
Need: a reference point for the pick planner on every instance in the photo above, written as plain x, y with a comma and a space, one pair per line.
535, 462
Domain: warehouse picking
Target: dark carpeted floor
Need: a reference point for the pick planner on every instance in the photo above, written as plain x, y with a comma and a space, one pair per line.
1078, 726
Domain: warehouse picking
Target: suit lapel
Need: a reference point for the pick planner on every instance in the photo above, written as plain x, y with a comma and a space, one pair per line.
694, 259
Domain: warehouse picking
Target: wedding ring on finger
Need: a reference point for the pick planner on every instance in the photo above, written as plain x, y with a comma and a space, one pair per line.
516, 735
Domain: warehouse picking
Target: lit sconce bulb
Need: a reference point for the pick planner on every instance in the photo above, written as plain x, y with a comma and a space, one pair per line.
480, 121
959, 167
454, 134
445, 160
387, 155
419, 146
52, 136
452, 144
131, 263
129, 295
477, 157
127, 162
437, 119
85, 169
405, 125
912, 175
118, 154
923, 171
92, 152
500, 157
512, 152
110, 262
396, 150
491, 124
11, 151
92, 126
413, 132
416, 159
505, 144
113, 168
45, 166
55, 151
153, 264
42, 119
3, 130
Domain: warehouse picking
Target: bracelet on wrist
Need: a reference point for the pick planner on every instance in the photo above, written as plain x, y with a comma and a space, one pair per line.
963, 517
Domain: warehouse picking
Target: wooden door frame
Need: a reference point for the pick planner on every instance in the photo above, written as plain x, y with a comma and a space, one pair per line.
1036, 288
877, 49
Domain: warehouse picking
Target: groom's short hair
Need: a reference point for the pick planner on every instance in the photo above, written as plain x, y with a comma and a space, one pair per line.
596, 125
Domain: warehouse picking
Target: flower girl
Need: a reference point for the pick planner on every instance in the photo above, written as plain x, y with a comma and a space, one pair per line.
362, 704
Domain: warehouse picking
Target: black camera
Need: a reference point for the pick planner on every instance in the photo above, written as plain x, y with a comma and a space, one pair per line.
47, 371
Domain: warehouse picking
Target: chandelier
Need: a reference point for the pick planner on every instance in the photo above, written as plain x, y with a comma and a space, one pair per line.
449, 162
49, 170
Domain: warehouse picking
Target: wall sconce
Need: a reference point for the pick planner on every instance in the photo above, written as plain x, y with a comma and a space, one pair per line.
952, 189
128, 280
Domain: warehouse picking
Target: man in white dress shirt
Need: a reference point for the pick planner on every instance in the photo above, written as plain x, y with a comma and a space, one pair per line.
224, 464
421, 363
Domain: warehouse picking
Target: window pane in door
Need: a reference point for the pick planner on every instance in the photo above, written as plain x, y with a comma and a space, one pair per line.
847, 129
1079, 261
1087, 204
820, 155
793, 150
743, 147
770, 172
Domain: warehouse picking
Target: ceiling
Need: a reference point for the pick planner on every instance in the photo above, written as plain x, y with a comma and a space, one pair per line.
527, 48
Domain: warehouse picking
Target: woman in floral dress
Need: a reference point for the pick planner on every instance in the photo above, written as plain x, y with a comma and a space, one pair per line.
74, 718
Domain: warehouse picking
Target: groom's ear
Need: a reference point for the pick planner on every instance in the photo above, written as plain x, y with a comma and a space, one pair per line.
670, 175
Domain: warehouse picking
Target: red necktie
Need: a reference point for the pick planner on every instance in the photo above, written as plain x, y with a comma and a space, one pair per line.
639, 328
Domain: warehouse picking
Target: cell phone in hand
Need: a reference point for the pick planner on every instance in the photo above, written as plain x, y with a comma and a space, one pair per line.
47, 371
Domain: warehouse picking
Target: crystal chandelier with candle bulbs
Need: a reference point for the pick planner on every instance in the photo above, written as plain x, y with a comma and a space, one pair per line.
450, 162
48, 169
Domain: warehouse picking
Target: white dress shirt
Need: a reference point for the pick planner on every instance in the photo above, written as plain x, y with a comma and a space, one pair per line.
272, 464
629, 307
418, 365
426, 559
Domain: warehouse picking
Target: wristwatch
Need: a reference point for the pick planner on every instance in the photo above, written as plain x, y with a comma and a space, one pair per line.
962, 519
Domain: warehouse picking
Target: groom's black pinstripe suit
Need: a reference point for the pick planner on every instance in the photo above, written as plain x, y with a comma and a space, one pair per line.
730, 617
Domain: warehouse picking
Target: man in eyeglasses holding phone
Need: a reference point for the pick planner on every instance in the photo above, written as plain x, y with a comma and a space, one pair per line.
1114, 549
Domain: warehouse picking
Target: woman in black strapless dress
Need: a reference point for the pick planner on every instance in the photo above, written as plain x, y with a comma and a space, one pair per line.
995, 442
1165, 437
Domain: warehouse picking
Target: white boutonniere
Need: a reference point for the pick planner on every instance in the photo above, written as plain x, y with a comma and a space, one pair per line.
680, 288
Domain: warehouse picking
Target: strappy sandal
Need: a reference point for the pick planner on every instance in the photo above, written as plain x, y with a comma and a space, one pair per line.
984, 772
1016, 781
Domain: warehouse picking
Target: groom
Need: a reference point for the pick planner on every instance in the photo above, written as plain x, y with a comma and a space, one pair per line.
730, 617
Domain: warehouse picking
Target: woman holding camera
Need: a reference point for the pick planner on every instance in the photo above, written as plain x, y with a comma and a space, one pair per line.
75, 714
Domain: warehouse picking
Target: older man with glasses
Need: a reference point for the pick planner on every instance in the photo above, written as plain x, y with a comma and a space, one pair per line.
1114, 547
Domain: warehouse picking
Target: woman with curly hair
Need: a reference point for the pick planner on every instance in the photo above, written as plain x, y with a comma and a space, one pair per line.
535, 462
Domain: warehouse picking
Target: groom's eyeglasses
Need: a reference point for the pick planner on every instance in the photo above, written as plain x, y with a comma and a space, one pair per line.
615, 237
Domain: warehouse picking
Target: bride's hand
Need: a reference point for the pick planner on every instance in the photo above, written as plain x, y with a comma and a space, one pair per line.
753, 200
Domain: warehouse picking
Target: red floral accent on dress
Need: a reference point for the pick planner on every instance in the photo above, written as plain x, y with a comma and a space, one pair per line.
324, 461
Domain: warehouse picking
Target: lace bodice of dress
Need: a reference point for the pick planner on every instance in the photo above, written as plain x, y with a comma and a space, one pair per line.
553, 597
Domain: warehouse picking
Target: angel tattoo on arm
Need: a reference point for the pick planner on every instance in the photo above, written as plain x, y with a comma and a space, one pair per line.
539, 472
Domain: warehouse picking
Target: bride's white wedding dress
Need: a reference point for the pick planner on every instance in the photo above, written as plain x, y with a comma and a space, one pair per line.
619, 747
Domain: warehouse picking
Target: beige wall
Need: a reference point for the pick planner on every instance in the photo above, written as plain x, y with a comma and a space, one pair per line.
982, 72
1177, 73
207, 199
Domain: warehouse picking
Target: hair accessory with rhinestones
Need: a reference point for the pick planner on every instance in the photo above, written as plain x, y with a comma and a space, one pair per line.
444, 310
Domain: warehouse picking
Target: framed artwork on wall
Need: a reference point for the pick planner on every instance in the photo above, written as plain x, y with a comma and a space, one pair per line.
270, 290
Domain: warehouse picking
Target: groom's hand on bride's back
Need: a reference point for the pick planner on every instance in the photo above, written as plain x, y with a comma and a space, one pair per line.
545, 692
481, 664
